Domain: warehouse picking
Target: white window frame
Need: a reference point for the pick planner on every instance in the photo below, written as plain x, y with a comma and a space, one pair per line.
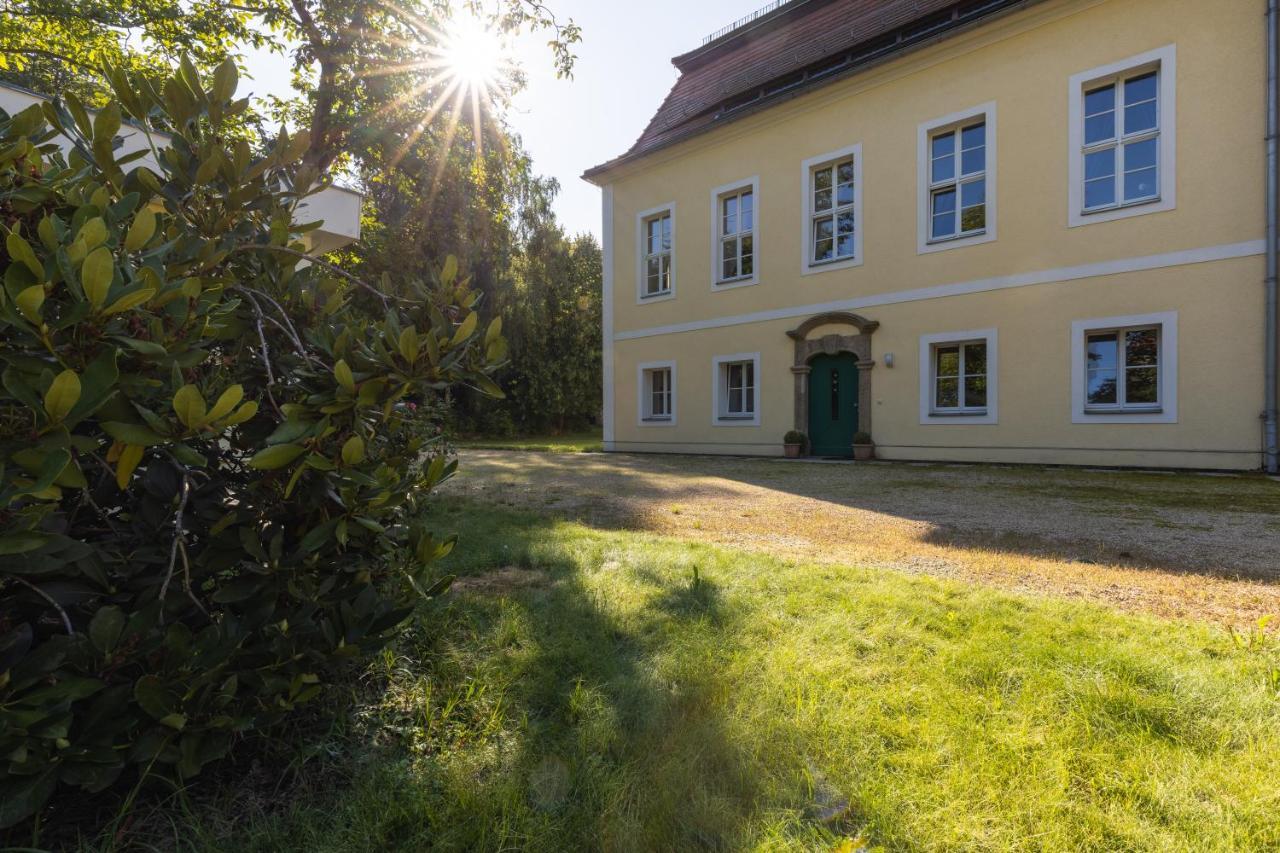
721, 192
924, 135
1162, 60
808, 266
929, 413
644, 396
1167, 412
642, 221
719, 414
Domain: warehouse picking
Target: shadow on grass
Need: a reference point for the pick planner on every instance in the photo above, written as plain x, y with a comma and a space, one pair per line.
529, 718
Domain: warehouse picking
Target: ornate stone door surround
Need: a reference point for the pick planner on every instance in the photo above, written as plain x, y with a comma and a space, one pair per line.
857, 342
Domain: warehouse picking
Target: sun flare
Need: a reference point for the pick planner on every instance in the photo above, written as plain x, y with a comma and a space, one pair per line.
474, 55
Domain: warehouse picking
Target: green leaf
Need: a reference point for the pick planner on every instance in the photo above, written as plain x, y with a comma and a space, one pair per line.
106, 628
29, 302
93, 233
225, 80
270, 458
128, 462
494, 331
467, 328
21, 542
96, 275
227, 401
150, 694
141, 231
20, 250
106, 123
408, 344
353, 450
450, 271
342, 373
62, 395
129, 300
132, 434
189, 405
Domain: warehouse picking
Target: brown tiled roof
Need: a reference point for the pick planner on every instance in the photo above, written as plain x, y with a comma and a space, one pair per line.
800, 45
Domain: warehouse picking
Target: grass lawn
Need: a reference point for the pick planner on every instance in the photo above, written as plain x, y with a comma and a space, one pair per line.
574, 442
614, 690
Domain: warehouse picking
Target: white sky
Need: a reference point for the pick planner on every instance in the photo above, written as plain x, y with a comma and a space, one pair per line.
622, 74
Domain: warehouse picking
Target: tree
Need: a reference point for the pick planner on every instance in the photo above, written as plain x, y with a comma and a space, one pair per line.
210, 459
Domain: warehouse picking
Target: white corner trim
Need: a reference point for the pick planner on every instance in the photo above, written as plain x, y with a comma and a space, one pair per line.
927, 343
725, 189
1165, 59
923, 131
718, 360
606, 313
641, 299
807, 266
1057, 275
1168, 414
642, 392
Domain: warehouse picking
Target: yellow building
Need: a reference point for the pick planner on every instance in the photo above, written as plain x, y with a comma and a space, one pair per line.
995, 230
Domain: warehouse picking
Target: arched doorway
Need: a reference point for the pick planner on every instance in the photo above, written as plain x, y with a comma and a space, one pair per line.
833, 404
832, 368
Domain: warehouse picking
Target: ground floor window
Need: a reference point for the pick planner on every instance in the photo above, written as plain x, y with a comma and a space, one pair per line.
657, 393
1124, 369
737, 389
957, 377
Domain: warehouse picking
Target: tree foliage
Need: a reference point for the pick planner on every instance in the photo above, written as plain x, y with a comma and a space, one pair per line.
209, 455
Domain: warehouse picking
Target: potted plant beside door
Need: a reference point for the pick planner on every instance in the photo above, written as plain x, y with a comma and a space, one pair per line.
793, 444
863, 447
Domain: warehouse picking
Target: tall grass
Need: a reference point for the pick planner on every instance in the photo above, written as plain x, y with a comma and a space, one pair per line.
621, 691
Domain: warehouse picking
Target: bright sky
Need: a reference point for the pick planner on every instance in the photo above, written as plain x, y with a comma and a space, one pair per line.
622, 74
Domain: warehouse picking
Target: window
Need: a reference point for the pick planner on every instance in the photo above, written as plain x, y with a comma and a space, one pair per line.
737, 390
1124, 368
735, 216
657, 386
656, 253
957, 179
831, 228
1122, 122
958, 377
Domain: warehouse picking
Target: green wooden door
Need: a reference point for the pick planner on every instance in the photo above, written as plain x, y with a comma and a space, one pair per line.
833, 404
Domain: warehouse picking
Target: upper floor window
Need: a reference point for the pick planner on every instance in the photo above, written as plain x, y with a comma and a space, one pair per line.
1122, 146
958, 377
656, 275
737, 391
1125, 369
832, 210
734, 249
957, 178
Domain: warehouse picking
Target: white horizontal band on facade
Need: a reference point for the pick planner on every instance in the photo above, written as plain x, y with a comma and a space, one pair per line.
1206, 254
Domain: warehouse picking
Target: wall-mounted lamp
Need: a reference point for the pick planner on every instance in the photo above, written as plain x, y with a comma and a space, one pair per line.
888, 359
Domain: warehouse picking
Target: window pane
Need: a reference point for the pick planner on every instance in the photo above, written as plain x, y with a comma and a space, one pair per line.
844, 194
943, 166
1140, 184
735, 399
1142, 386
1102, 387
944, 225
748, 211
975, 391
948, 361
845, 223
1102, 351
1138, 89
944, 145
653, 278
666, 272
749, 369
747, 243
748, 261
975, 359
1139, 155
1100, 193
973, 210
973, 192
1141, 348
822, 250
974, 153
844, 172
944, 202
1100, 117
731, 215
666, 233
1100, 164
730, 269
822, 179
973, 218
947, 395
844, 246
730, 249
824, 228
1140, 117
822, 200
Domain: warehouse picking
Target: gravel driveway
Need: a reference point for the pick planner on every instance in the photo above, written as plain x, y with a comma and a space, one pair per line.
1179, 545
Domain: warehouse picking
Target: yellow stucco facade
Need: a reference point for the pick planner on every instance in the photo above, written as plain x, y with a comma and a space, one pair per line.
1032, 285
